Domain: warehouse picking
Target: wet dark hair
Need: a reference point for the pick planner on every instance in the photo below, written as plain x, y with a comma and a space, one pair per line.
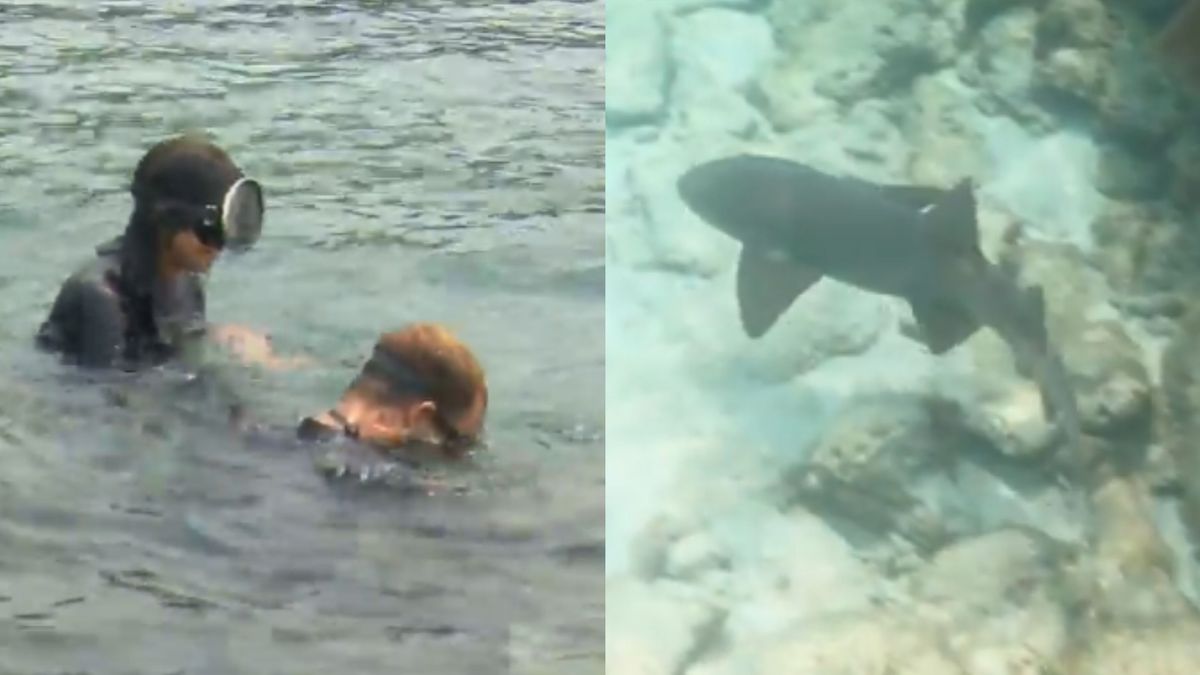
182, 170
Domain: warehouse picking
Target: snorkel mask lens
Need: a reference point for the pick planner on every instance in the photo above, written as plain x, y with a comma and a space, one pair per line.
208, 230
241, 216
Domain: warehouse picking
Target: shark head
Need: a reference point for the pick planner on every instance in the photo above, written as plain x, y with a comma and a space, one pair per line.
715, 191
748, 197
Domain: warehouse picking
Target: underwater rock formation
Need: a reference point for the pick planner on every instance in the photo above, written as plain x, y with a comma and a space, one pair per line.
921, 508
1180, 403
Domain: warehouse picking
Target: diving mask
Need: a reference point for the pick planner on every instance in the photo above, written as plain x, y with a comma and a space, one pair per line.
235, 223
238, 223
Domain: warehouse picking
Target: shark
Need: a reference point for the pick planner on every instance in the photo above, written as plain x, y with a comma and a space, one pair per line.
797, 225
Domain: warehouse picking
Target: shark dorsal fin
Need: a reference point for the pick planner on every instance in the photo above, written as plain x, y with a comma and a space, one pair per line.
917, 197
1037, 300
952, 220
766, 286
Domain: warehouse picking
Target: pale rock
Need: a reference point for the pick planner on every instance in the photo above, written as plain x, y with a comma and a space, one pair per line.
835, 42
969, 578
650, 629
693, 555
1106, 365
699, 110
1180, 410
636, 66
936, 120
652, 547
1003, 65
873, 468
674, 238
721, 48
1075, 23
874, 444
1167, 649
829, 321
1005, 621
923, 38
1074, 72
787, 97
1145, 252
878, 142
994, 600
1012, 419
800, 26
863, 644
1018, 162
1134, 618
851, 81
688, 6
1113, 385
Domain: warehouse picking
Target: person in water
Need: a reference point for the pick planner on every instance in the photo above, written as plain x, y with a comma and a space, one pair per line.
418, 402
421, 395
140, 301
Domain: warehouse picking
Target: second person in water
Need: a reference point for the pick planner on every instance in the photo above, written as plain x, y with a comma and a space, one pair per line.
141, 301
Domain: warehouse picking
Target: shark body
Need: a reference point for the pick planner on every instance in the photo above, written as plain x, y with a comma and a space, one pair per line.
797, 224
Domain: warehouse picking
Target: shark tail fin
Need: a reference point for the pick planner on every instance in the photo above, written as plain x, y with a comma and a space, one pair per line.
941, 326
1177, 43
951, 221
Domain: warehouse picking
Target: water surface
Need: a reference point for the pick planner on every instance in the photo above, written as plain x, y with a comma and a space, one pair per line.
431, 161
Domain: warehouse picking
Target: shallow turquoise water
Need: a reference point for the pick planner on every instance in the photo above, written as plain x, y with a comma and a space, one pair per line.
437, 161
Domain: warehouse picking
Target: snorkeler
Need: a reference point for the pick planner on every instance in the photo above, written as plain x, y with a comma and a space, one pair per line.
421, 395
141, 301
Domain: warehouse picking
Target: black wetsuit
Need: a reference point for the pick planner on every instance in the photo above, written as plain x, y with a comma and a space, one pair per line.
101, 319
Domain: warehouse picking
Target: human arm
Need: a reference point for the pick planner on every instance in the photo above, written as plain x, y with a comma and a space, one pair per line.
253, 347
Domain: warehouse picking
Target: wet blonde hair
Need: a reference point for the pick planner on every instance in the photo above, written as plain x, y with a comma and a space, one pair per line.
444, 369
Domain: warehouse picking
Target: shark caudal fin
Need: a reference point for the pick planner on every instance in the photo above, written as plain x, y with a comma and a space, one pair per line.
950, 223
1179, 42
942, 326
766, 286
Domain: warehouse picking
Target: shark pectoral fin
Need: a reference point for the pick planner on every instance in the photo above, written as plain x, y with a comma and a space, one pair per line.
942, 327
952, 219
766, 287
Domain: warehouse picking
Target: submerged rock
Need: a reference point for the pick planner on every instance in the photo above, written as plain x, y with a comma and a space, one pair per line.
936, 121
637, 67
865, 470
1132, 616
958, 618
1181, 413
652, 629
1147, 255
1075, 23
1106, 366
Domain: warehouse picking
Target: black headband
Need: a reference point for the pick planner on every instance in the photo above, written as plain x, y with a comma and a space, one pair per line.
399, 376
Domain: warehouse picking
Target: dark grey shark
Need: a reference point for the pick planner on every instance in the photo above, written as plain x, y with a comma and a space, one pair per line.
797, 225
